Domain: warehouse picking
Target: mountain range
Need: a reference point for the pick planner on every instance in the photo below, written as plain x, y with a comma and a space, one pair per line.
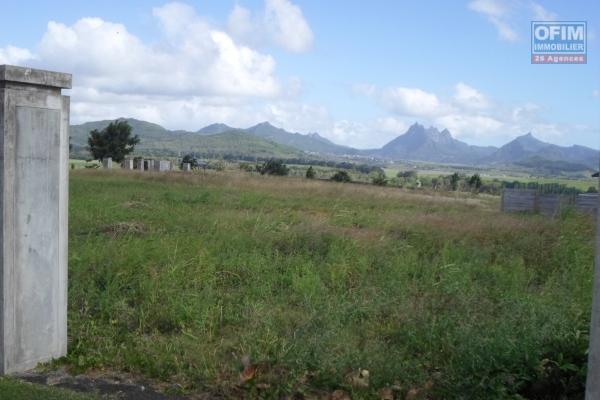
418, 143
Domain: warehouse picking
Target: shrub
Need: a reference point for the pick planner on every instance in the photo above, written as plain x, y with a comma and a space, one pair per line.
379, 179
274, 167
310, 173
189, 158
475, 182
341, 176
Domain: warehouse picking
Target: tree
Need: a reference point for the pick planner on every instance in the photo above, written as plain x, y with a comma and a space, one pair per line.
341, 176
454, 179
274, 167
114, 141
475, 182
310, 173
407, 174
379, 179
189, 159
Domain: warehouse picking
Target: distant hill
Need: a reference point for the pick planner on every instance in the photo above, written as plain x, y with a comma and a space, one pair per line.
215, 129
312, 143
429, 144
416, 144
525, 148
158, 141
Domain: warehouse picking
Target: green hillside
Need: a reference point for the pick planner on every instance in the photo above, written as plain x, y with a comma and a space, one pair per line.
158, 141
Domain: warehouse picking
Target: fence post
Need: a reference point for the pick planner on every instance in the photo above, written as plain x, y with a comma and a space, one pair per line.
592, 387
34, 181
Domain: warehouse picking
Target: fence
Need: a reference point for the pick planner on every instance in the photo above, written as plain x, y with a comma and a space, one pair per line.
524, 200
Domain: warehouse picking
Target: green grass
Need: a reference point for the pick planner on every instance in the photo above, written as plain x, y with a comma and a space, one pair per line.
179, 278
13, 389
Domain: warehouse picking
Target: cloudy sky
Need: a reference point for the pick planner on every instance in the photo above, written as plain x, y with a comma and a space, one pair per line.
357, 72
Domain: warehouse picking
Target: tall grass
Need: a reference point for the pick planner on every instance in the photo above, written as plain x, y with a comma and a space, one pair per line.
183, 278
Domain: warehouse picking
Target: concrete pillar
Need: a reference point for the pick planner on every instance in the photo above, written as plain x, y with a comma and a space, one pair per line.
149, 165
187, 167
592, 387
127, 164
162, 165
107, 163
34, 179
139, 164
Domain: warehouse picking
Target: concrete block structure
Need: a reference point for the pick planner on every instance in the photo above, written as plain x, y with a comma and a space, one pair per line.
127, 164
140, 164
34, 168
186, 167
162, 165
107, 163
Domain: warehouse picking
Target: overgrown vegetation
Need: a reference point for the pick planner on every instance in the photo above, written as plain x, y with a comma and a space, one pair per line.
256, 286
273, 167
341, 176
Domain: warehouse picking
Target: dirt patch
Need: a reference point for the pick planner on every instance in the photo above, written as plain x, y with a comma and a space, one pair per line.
120, 229
135, 204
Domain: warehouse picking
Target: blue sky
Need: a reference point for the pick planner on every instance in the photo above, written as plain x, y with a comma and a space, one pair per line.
357, 72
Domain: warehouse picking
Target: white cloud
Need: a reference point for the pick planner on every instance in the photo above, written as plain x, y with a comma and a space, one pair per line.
469, 97
410, 101
15, 55
193, 75
506, 14
541, 14
195, 59
472, 126
287, 26
281, 23
498, 13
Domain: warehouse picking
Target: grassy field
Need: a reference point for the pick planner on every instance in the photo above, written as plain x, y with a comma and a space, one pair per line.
253, 286
13, 389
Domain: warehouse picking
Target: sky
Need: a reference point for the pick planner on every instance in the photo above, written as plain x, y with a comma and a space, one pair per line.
359, 73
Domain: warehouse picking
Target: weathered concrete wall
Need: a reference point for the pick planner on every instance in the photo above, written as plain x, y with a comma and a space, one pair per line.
140, 164
518, 200
162, 165
587, 202
107, 163
187, 167
34, 143
127, 164
514, 200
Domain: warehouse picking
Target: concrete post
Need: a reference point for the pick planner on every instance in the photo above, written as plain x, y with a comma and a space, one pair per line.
127, 164
187, 167
150, 165
162, 165
139, 164
592, 387
34, 179
107, 163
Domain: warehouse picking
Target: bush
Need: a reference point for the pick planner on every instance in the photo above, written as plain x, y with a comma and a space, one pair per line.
274, 167
310, 173
407, 174
379, 179
475, 182
341, 176
189, 158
